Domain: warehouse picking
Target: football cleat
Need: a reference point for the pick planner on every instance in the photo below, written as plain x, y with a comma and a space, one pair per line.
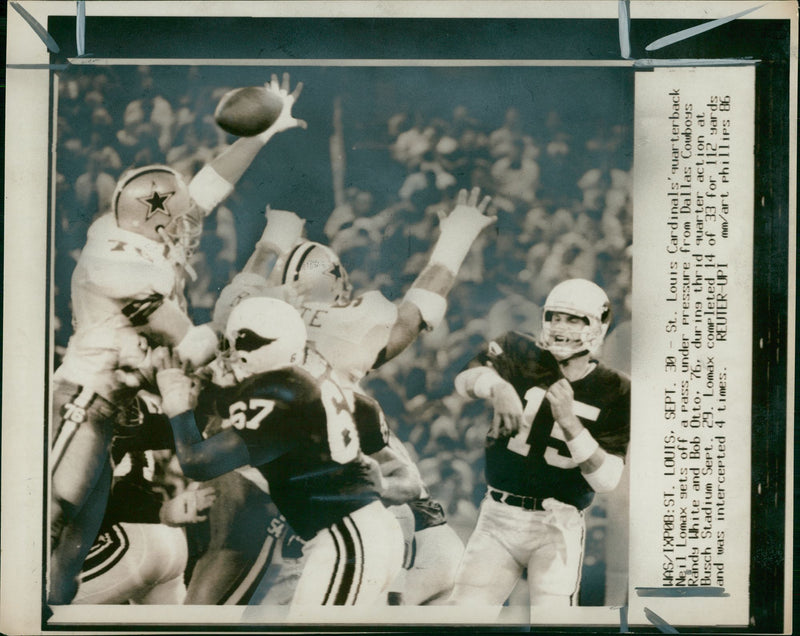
263, 334
566, 338
316, 274
154, 201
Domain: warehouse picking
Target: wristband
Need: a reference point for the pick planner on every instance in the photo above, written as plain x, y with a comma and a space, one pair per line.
606, 478
209, 189
432, 306
477, 382
582, 446
184, 428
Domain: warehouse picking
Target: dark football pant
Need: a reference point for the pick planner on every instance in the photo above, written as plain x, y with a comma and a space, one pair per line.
244, 538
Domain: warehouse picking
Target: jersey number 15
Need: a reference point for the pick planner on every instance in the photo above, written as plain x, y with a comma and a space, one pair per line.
533, 402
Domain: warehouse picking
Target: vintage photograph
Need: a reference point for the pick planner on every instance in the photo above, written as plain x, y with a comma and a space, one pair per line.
359, 312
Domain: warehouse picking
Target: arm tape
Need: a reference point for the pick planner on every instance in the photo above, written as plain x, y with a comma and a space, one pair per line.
582, 446
198, 345
477, 382
209, 189
184, 429
606, 478
432, 306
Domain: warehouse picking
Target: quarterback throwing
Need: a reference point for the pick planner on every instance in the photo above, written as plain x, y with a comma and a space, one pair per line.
560, 433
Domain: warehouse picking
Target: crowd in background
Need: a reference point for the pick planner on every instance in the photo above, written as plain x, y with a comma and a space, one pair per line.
563, 203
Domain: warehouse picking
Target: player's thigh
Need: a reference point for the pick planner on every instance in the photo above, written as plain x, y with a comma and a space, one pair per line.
161, 551
239, 519
171, 592
352, 562
245, 529
554, 567
82, 448
135, 561
488, 571
437, 553
77, 539
110, 572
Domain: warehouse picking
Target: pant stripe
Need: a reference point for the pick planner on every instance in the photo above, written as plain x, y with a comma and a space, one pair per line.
573, 598
105, 558
243, 588
359, 556
348, 571
335, 565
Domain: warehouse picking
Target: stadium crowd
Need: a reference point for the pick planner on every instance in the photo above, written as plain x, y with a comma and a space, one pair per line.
564, 210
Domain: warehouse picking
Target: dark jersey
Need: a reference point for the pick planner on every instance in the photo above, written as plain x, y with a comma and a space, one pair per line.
318, 476
535, 462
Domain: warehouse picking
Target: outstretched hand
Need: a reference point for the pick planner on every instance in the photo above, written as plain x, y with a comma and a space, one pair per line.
186, 507
470, 211
283, 230
285, 120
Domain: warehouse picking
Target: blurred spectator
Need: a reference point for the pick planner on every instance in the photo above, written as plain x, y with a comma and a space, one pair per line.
564, 199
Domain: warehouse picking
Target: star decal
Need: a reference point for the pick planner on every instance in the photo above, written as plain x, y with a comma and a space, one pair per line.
336, 271
155, 203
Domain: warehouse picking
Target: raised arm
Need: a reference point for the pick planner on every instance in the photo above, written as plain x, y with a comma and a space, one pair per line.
215, 181
425, 304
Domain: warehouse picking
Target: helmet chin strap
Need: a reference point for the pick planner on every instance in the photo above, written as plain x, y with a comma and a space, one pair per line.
577, 354
172, 248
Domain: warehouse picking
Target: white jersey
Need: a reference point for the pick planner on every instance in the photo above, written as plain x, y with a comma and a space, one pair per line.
119, 274
350, 336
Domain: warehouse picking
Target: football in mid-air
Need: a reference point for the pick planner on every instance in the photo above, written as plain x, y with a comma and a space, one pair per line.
247, 111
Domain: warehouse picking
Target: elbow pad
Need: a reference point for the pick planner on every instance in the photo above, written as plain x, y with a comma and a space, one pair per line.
606, 478
209, 189
199, 345
477, 382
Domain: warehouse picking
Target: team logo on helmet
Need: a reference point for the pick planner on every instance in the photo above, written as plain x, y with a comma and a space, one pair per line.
578, 298
316, 274
156, 203
263, 334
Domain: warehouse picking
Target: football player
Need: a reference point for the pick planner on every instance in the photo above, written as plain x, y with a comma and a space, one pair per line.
560, 433
140, 554
127, 293
297, 427
357, 335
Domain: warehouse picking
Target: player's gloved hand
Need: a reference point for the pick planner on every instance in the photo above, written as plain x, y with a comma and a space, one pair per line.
285, 120
507, 411
460, 228
185, 508
283, 230
561, 398
178, 391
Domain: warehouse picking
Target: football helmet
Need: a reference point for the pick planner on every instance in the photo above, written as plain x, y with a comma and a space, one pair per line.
263, 334
316, 274
154, 201
581, 298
